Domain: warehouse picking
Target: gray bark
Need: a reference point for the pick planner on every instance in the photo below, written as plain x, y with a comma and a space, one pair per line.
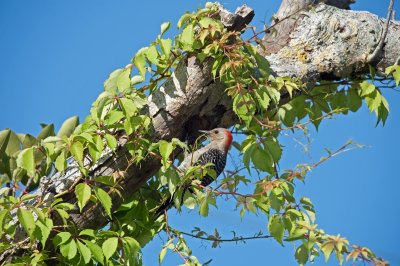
329, 43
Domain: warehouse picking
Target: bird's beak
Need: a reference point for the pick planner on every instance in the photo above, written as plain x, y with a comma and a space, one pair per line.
205, 132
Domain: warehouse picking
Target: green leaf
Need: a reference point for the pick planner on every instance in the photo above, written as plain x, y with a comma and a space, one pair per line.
61, 238
373, 101
4, 138
162, 254
47, 131
84, 251
96, 148
189, 201
274, 149
42, 230
366, 88
354, 100
82, 192
152, 54
104, 198
96, 251
186, 38
276, 228
25, 217
110, 85
26, 160
77, 151
136, 79
28, 141
13, 145
140, 62
69, 249
183, 19
109, 247
327, 249
61, 162
395, 71
262, 160
112, 142
128, 107
166, 149
204, 208
124, 81
166, 45
165, 26
114, 116
3, 215
301, 255
68, 127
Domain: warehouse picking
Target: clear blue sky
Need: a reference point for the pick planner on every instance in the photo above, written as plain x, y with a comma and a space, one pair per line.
55, 55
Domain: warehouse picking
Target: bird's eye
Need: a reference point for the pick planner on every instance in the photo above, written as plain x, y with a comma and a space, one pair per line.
216, 131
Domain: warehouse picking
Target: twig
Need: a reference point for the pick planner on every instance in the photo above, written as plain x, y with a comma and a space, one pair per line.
170, 237
372, 57
235, 239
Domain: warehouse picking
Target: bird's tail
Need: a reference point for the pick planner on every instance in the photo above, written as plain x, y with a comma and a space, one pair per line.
168, 204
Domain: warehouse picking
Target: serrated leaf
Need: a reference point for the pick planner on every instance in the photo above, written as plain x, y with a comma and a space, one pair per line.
183, 19
69, 249
301, 255
140, 62
189, 201
104, 199
186, 38
26, 160
262, 160
42, 230
162, 254
203, 210
47, 131
82, 192
96, 251
61, 162
77, 151
109, 247
165, 26
366, 88
28, 141
128, 107
25, 217
327, 249
373, 101
111, 141
276, 228
165, 45
152, 54
123, 81
354, 100
68, 127
166, 149
61, 238
110, 85
84, 251
136, 79
3, 214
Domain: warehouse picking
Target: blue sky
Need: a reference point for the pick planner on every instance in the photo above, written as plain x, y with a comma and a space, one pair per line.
55, 55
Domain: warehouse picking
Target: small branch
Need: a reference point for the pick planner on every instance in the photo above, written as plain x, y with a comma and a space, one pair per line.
170, 237
235, 239
373, 57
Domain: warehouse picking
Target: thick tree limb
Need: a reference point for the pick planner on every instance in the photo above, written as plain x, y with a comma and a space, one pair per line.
331, 43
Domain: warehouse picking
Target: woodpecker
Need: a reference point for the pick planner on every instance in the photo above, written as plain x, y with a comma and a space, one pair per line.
215, 152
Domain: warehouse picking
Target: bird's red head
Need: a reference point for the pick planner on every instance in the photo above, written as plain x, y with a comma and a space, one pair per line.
222, 136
